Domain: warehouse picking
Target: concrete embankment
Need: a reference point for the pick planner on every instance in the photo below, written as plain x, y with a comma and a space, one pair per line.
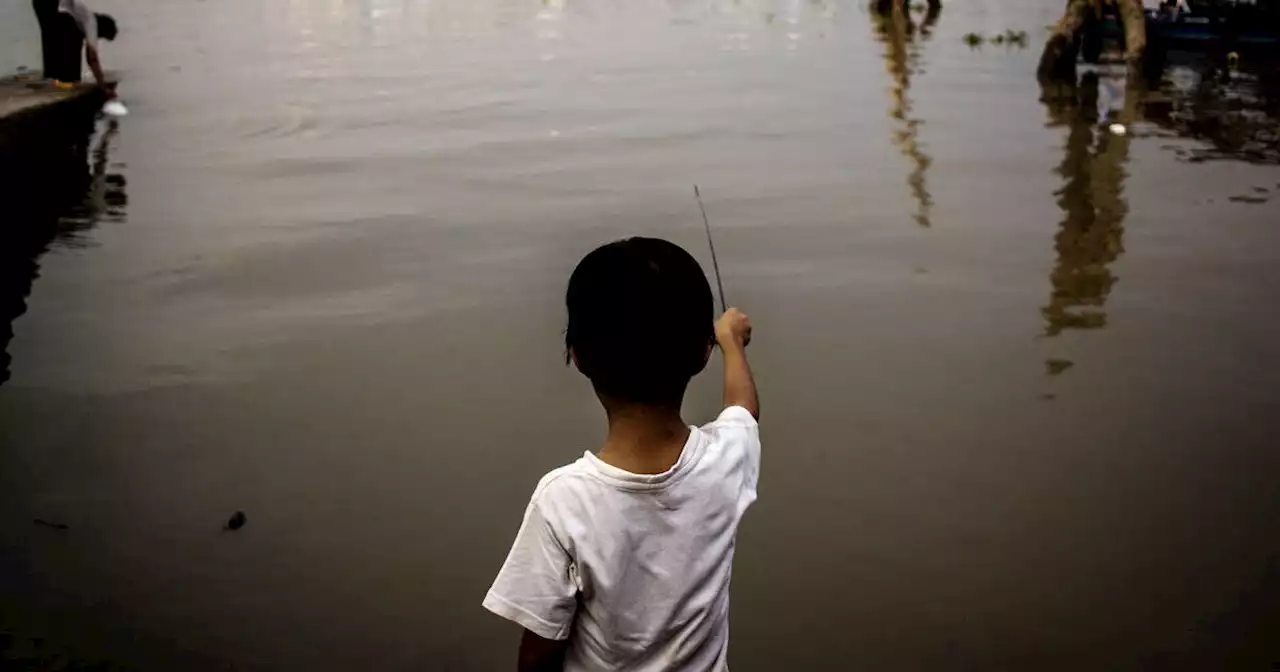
43, 134
36, 114
44, 142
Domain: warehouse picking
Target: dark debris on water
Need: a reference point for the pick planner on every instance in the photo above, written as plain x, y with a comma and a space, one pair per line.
1054, 366
237, 521
1246, 198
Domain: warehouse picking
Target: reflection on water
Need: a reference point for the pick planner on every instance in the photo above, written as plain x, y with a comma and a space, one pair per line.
1233, 113
1091, 234
1236, 113
897, 30
104, 196
55, 202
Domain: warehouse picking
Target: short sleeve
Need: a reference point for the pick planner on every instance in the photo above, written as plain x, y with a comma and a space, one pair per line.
737, 431
86, 20
537, 586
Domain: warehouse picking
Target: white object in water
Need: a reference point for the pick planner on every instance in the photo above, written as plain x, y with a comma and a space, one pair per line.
1118, 129
115, 108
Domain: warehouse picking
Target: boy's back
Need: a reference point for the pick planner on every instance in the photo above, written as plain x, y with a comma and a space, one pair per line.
624, 557
636, 567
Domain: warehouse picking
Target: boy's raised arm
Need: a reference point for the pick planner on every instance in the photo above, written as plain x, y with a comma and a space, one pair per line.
733, 333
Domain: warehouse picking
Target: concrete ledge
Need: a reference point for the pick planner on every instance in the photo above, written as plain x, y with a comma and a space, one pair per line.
44, 137
39, 107
21, 93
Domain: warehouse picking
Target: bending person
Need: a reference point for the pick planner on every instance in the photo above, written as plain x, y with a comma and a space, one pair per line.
66, 28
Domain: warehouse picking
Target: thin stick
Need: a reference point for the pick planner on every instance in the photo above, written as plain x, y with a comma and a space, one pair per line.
715, 263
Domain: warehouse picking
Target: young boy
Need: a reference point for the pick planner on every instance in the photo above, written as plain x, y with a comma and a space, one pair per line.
624, 556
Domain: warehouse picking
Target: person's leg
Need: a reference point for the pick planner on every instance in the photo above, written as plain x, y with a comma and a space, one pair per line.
46, 15
68, 48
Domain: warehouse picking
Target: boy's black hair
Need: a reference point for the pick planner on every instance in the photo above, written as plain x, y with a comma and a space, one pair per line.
107, 28
640, 320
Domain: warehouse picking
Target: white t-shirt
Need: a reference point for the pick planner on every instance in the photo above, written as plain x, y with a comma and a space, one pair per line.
634, 569
84, 18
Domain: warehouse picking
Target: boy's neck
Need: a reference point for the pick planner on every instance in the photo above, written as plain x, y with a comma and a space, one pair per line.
643, 439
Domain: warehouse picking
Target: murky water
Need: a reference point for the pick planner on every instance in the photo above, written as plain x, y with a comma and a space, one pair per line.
1020, 375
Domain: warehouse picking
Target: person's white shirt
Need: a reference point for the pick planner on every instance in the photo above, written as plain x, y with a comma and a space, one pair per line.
84, 18
634, 569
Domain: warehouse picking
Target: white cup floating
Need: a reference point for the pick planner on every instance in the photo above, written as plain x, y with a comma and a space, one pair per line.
115, 108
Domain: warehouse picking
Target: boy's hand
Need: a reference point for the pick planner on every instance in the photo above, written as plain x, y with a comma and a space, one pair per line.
733, 329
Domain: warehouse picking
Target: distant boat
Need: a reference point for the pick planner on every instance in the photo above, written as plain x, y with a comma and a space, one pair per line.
1194, 30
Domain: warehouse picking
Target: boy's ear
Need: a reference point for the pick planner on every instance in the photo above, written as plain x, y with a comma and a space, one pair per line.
573, 357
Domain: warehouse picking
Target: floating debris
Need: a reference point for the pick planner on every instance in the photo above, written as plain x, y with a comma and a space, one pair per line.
1247, 199
1011, 38
44, 523
1055, 366
1117, 129
1048, 396
237, 521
